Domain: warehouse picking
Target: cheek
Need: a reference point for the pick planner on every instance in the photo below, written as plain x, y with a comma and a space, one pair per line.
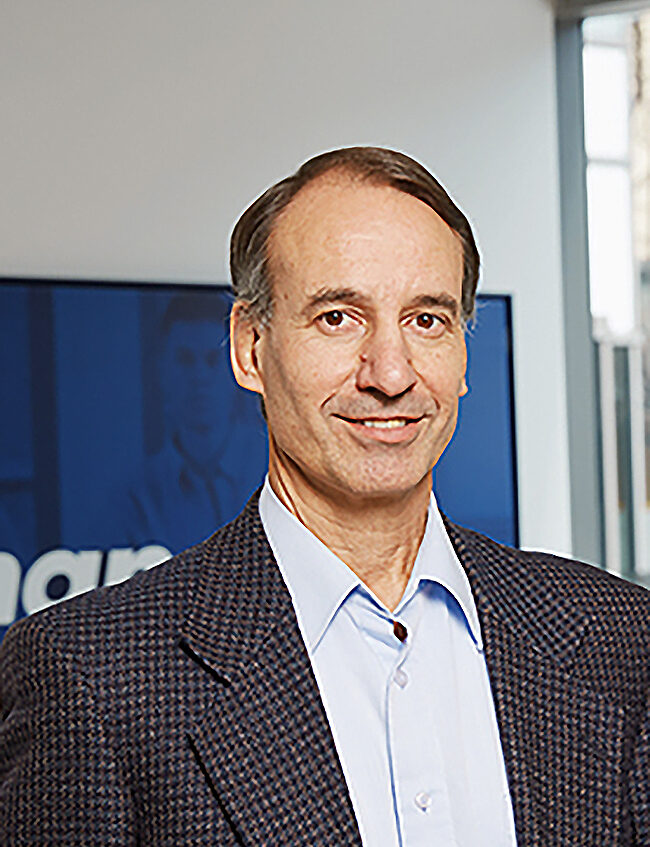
293, 381
444, 375
307, 371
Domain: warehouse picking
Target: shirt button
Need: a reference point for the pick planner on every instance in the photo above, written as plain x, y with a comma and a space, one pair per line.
400, 631
401, 677
423, 801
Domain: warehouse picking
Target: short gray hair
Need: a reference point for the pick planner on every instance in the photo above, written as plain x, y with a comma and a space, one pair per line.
249, 244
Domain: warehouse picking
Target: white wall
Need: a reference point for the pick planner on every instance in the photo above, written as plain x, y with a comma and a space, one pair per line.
135, 131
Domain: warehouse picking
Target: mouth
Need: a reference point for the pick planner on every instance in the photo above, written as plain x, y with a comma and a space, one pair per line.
390, 430
385, 423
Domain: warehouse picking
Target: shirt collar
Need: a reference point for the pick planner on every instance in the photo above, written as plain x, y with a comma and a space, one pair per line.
437, 561
319, 582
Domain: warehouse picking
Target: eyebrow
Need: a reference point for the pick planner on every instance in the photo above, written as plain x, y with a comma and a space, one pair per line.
334, 295
350, 295
436, 301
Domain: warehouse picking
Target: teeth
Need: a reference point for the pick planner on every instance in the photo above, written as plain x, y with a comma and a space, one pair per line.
390, 424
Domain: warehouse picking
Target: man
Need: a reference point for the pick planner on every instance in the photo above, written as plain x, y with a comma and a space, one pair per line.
186, 489
340, 665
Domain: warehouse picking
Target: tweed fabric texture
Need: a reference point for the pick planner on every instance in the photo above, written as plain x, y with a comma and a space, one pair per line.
568, 654
180, 707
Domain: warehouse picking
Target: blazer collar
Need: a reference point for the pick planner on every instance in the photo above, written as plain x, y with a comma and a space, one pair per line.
264, 742
526, 597
239, 597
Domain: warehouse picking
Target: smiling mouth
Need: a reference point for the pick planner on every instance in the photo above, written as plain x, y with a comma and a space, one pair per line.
382, 423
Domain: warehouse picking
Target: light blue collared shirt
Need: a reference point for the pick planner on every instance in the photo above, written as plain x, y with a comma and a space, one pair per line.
413, 721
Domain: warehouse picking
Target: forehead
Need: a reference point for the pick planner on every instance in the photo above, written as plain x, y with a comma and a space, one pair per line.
338, 226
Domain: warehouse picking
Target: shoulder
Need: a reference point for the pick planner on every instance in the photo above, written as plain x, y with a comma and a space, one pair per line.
547, 574
104, 621
151, 606
562, 606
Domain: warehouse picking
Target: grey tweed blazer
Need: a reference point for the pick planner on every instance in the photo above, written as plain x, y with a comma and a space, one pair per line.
180, 707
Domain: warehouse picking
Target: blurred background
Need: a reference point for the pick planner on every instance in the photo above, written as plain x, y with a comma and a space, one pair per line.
135, 133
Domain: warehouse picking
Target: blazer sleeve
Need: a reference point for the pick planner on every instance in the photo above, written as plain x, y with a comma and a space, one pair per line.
640, 785
60, 779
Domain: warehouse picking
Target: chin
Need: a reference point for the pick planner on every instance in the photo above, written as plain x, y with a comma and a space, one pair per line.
375, 484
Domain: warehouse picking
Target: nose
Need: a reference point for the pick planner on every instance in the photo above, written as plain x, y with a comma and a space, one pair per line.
386, 363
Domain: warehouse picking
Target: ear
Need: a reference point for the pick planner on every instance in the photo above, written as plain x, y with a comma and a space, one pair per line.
244, 337
463, 388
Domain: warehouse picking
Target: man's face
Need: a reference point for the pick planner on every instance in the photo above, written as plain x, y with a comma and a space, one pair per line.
196, 375
363, 361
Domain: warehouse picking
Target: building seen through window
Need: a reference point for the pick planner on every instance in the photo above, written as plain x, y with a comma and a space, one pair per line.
616, 67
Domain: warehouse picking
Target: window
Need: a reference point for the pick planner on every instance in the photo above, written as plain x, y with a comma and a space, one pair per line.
616, 51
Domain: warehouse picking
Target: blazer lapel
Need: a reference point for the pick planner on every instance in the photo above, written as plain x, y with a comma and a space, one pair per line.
562, 741
264, 742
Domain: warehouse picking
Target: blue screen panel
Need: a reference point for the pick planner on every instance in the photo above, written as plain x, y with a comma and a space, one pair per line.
475, 480
124, 437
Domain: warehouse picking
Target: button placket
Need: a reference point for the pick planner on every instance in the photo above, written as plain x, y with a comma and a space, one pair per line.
417, 766
401, 677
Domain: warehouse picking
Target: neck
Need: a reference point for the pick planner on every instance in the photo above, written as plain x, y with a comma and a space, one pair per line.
378, 537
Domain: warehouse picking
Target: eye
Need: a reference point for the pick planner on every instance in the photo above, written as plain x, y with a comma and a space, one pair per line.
333, 318
341, 323
427, 321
